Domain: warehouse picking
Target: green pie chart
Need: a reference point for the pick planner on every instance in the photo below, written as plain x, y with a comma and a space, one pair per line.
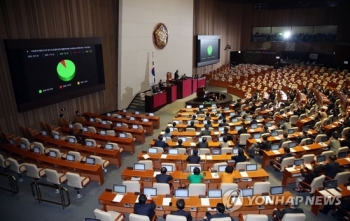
66, 70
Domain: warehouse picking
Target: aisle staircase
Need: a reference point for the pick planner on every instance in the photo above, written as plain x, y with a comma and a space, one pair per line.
138, 103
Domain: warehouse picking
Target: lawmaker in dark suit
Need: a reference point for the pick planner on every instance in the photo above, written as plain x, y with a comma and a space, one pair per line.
279, 160
331, 168
176, 75
180, 204
163, 177
346, 141
191, 125
240, 157
143, 208
179, 144
160, 142
194, 158
220, 213
205, 132
226, 134
243, 130
203, 144
285, 138
278, 215
224, 123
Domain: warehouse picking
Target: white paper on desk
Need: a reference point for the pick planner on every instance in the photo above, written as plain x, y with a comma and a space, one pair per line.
137, 199
193, 144
348, 187
258, 140
166, 201
155, 173
306, 148
308, 166
205, 202
118, 198
202, 157
162, 132
333, 125
251, 130
334, 192
276, 152
169, 125
136, 178
277, 138
236, 201
244, 174
292, 150
146, 156
348, 159
290, 169
214, 175
164, 156
197, 133
209, 157
325, 193
216, 133
230, 143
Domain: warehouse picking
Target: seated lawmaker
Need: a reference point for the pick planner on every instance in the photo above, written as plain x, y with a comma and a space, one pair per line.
307, 176
285, 138
279, 160
226, 134
161, 143
331, 168
278, 214
179, 144
220, 208
224, 123
240, 157
224, 142
192, 125
163, 177
203, 143
194, 158
196, 177
205, 132
143, 208
167, 132
334, 143
227, 176
180, 205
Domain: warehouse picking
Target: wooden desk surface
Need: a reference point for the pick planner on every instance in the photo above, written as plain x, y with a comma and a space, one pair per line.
154, 119
71, 166
126, 143
183, 157
91, 150
215, 144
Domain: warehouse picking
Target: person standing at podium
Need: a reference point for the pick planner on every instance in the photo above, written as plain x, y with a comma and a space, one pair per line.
176, 75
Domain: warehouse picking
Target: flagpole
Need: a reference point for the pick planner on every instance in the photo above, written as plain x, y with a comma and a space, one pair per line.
154, 71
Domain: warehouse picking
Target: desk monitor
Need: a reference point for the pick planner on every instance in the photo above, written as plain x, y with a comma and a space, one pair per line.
268, 124
232, 114
292, 144
237, 128
92, 119
215, 193
247, 192
234, 120
202, 128
222, 168
253, 126
85, 129
23, 146
324, 139
192, 168
298, 162
137, 112
104, 122
164, 139
226, 108
176, 121
251, 167
89, 143
235, 151
274, 146
132, 118
182, 138
120, 116
213, 105
109, 114
243, 113
201, 106
139, 166
248, 118
274, 133
188, 106
150, 191
329, 184
103, 132
36, 150
213, 110
290, 131
109, 146
135, 126
119, 188
342, 155
90, 161
257, 135
44, 133
119, 124
145, 120
173, 151
122, 135
221, 129
321, 158
200, 139
199, 151
305, 128
92, 219
171, 129
221, 139
71, 140
219, 121
181, 193
56, 136
71, 126
169, 168
70, 157
152, 150
52, 154
275, 190
216, 151
259, 117
308, 141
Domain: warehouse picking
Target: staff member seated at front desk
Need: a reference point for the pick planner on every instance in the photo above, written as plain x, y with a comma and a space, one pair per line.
143, 208
276, 163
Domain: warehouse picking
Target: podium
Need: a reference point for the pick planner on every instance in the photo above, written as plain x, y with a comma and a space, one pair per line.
155, 101
184, 88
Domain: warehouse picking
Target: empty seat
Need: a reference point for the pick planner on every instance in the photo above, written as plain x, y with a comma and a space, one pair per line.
92, 129
148, 164
171, 217
294, 217
16, 167
308, 158
52, 176
162, 188
261, 187
4, 163
77, 182
196, 189
100, 161
242, 165
132, 186
108, 216
33, 171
